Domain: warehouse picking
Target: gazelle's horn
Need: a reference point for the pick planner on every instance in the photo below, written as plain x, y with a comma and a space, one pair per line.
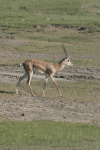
64, 50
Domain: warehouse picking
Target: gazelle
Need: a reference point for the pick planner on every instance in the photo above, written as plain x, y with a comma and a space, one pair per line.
43, 67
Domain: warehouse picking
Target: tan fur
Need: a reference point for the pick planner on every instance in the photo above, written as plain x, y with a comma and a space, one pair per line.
47, 68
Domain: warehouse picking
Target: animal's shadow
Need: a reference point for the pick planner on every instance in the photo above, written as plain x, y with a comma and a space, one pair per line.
7, 92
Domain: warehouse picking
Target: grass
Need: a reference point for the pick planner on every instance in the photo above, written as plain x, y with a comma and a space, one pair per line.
7, 89
86, 62
27, 21
26, 13
86, 91
48, 135
76, 62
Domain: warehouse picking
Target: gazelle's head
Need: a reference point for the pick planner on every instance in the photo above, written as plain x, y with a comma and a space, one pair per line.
67, 60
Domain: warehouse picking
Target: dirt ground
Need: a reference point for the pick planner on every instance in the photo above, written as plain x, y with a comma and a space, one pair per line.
35, 108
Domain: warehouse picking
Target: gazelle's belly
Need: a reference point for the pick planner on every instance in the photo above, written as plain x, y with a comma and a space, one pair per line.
39, 72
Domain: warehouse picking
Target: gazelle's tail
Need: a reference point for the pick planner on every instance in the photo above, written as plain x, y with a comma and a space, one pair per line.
20, 65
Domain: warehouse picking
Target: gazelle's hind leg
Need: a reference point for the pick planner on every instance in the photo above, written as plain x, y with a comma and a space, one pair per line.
28, 81
46, 79
20, 79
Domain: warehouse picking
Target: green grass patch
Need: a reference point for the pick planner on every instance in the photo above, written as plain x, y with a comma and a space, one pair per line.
24, 13
76, 62
48, 135
44, 25
81, 91
7, 89
86, 62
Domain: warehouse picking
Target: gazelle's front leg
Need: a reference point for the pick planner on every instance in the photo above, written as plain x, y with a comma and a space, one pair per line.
55, 85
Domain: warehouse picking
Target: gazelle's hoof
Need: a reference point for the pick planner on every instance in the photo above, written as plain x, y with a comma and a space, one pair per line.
61, 95
43, 94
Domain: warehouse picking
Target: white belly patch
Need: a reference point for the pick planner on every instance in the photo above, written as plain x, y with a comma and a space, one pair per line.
35, 71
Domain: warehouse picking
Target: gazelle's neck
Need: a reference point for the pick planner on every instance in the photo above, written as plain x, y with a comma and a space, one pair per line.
59, 66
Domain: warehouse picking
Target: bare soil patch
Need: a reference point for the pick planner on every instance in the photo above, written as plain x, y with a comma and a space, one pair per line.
8, 41
37, 108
